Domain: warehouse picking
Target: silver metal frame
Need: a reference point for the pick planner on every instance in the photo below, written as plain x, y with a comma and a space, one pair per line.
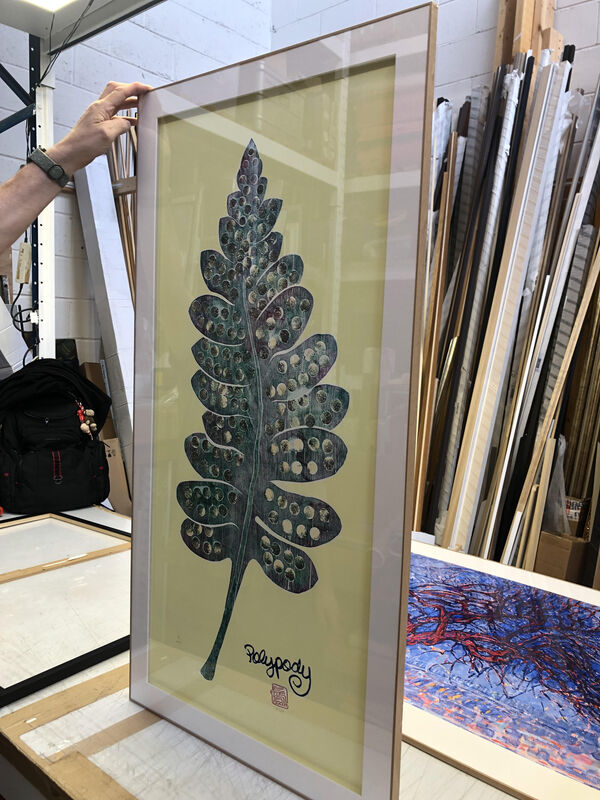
404, 38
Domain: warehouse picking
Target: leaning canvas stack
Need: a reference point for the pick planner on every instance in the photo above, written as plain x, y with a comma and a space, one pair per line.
511, 336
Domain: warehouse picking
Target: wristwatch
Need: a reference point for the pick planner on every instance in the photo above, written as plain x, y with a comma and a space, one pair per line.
47, 165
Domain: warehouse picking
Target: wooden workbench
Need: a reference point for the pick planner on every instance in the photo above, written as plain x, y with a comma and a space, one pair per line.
85, 740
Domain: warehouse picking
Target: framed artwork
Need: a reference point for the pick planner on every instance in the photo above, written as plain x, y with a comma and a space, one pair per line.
282, 207
62, 584
503, 674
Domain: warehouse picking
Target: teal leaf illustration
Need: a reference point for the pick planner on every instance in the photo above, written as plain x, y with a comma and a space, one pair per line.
302, 520
209, 542
217, 320
228, 364
286, 565
220, 397
305, 454
291, 375
210, 502
235, 430
214, 461
268, 419
323, 407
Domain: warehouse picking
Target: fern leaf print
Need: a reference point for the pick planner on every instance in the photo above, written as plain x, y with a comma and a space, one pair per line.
268, 417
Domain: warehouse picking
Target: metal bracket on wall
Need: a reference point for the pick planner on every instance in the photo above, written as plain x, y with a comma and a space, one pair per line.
24, 96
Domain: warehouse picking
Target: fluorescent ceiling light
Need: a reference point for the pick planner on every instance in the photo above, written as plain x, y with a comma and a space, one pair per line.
50, 5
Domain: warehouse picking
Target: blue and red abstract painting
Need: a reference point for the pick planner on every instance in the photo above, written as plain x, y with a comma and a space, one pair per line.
514, 664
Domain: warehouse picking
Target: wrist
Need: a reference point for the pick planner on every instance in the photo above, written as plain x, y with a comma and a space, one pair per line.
59, 153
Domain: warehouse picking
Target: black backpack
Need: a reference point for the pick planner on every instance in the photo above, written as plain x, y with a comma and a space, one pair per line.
47, 462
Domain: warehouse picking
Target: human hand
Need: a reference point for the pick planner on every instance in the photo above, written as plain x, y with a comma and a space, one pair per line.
98, 127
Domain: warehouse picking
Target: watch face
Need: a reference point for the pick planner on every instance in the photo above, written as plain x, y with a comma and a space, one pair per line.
56, 172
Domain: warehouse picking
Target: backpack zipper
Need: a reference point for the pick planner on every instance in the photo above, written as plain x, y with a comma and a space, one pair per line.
57, 475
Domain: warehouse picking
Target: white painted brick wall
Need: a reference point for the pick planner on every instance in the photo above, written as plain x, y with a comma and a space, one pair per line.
465, 38
174, 40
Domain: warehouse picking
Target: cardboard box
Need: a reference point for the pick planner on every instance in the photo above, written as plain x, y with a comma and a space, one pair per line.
577, 510
561, 556
93, 372
119, 496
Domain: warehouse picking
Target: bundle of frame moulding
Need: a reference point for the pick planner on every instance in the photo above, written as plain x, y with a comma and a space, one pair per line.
122, 160
513, 263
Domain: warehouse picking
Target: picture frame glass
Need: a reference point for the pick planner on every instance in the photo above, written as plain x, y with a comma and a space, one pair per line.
268, 226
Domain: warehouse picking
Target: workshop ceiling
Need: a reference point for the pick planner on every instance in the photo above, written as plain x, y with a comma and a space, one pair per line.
30, 16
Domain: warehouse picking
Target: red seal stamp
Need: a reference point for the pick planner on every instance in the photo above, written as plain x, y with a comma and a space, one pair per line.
279, 696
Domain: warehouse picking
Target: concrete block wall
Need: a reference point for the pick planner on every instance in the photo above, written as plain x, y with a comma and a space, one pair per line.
173, 40
465, 37
579, 22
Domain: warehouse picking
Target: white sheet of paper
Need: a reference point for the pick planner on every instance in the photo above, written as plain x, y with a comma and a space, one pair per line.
46, 540
52, 617
98, 515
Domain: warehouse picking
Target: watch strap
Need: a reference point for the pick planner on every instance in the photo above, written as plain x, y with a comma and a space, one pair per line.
54, 171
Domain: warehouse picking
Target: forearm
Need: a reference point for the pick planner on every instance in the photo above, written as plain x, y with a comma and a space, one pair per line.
21, 200
30, 190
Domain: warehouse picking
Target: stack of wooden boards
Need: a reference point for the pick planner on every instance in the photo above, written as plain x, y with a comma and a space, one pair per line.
511, 338
525, 26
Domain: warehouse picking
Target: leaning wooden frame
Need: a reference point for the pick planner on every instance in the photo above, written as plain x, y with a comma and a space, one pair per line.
304, 686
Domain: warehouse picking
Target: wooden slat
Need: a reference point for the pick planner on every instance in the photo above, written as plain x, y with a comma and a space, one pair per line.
584, 250
536, 524
83, 780
432, 331
504, 32
543, 18
523, 28
593, 512
125, 185
558, 197
413, 402
583, 382
527, 524
57, 705
586, 441
553, 40
108, 736
67, 520
38, 569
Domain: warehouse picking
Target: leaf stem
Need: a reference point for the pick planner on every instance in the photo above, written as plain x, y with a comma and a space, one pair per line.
238, 566
208, 670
